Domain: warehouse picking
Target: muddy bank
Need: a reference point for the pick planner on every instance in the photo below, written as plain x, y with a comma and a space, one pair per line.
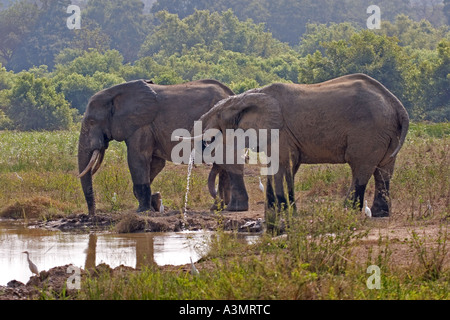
172, 221
53, 284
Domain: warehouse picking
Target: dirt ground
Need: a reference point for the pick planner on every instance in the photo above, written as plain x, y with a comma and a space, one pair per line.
169, 221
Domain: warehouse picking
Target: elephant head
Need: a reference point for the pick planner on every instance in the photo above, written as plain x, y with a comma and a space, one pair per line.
249, 110
106, 115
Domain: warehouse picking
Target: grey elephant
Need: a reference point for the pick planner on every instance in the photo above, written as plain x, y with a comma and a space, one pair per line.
352, 119
144, 115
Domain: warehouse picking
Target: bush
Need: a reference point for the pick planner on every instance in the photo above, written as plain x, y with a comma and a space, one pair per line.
34, 104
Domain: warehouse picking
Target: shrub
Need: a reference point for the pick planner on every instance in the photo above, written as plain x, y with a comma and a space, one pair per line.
34, 104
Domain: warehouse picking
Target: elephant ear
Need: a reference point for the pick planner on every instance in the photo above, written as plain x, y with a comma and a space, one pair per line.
133, 105
252, 110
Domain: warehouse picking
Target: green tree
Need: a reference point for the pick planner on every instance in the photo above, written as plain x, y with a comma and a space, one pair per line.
378, 56
317, 34
16, 23
446, 10
414, 34
123, 21
173, 35
287, 19
6, 82
47, 37
89, 62
79, 75
34, 104
432, 86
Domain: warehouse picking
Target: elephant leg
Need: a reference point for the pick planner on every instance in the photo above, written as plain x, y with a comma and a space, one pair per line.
277, 199
156, 167
381, 202
143, 192
224, 187
280, 190
139, 156
361, 175
238, 200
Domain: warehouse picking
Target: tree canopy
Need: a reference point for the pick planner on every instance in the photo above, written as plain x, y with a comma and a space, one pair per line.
48, 72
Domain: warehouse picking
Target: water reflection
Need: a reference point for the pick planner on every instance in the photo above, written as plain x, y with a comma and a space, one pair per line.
49, 249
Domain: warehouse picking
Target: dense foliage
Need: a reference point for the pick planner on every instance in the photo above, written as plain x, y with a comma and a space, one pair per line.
48, 72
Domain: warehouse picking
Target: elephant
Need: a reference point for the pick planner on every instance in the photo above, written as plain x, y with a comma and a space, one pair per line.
352, 119
144, 115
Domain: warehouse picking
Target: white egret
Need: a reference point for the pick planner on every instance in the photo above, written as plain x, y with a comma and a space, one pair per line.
18, 177
261, 186
367, 209
161, 206
31, 265
429, 208
194, 270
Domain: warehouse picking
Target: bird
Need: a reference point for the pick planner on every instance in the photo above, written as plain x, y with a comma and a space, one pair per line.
429, 208
114, 197
367, 209
194, 270
161, 206
261, 186
31, 265
18, 177
246, 156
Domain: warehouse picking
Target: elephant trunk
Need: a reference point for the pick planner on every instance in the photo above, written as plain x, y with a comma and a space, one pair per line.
88, 163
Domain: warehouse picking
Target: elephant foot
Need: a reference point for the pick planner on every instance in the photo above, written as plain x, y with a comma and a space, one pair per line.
236, 206
144, 208
275, 224
380, 208
218, 206
377, 213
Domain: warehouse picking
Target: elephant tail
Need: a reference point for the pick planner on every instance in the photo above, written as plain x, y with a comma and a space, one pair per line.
403, 121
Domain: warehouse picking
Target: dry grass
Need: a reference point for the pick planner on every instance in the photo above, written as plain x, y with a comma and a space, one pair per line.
34, 208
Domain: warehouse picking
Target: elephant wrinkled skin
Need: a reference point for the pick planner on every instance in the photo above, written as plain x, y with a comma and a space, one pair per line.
144, 115
352, 119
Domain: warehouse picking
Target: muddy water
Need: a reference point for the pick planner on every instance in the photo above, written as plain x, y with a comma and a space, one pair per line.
49, 249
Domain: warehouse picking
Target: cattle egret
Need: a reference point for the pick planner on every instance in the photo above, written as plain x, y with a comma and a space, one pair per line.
31, 265
161, 206
246, 156
18, 177
194, 270
261, 186
367, 209
429, 207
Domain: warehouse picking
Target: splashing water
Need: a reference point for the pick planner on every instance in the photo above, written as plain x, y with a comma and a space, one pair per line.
190, 165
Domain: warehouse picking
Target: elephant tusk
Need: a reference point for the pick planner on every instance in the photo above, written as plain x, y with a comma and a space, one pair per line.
91, 163
98, 163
